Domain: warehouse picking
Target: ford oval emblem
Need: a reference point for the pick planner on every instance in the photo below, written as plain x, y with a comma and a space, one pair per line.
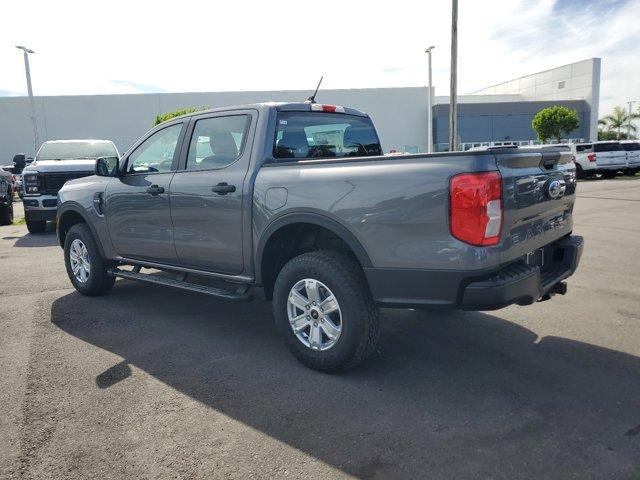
556, 189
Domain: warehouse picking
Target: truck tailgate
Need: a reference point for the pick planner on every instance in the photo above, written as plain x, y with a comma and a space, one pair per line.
538, 194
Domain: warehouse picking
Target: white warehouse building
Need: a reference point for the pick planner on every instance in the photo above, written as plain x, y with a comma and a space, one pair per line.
499, 114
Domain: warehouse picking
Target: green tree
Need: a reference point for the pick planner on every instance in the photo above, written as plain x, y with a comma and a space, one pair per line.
607, 135
618, 120
554, 123
175, 113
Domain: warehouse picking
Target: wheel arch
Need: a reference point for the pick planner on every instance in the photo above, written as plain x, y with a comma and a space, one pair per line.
71, 215
266, 267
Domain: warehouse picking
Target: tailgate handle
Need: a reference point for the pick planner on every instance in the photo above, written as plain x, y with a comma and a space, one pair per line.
550, 159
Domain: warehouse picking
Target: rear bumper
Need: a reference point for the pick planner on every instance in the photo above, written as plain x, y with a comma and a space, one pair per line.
610, 168
516, 282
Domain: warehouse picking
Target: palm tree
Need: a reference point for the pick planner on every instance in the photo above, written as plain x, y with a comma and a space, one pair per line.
618, 120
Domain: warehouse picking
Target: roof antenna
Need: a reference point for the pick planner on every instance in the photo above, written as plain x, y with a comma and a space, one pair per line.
312, 98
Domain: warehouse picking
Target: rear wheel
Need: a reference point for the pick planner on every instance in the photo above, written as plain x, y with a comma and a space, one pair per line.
579, 171
86, 268
324, 311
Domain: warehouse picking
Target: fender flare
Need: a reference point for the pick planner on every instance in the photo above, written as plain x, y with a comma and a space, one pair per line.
314, 219
77, 208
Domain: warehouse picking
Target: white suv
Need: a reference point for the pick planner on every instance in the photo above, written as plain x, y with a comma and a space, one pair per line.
606, 157
632, 147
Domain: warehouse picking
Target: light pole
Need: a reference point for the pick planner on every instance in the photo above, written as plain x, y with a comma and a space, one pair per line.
631, 102
453, 106
430, 109
26, 51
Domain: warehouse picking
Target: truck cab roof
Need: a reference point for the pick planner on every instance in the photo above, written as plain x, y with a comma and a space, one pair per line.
282, 107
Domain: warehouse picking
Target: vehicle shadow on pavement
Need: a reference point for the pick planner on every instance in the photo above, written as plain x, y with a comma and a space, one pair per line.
459, 394
48, 239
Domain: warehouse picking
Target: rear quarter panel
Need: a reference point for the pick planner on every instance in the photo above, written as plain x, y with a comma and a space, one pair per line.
397, 208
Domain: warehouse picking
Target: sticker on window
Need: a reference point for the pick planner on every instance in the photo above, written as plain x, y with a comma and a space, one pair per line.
283, 122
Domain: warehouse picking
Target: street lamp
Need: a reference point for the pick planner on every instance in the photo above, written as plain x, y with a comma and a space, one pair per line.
26, 51
630, 102
453, 101
430, 109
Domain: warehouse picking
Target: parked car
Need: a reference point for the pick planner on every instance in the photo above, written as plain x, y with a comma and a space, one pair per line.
56, 162
6, 197
632, 147
13, 179
298, 199
605, 157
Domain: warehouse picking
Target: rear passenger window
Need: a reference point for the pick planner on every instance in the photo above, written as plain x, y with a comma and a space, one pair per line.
607, 147
217, 142
631, 147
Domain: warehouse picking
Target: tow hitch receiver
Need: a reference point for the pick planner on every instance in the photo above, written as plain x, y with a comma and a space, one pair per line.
559, 288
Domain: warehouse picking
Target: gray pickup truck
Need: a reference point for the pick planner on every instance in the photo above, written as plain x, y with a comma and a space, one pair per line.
298, 199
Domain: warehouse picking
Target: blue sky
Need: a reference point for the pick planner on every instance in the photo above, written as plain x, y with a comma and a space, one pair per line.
131, 47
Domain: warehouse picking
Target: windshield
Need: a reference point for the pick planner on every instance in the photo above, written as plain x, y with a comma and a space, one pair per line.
76, 150
324, 135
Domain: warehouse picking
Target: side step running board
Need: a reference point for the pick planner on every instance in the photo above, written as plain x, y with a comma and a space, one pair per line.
242, 295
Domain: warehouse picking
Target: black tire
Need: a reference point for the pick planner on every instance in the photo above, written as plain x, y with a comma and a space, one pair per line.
6, 214
630, 173
359, 314
98, 281
579, 172
609, 175
36, 226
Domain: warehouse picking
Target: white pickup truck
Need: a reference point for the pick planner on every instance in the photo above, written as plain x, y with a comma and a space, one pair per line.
56, 162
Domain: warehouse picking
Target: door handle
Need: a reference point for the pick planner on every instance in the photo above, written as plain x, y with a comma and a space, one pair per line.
155, 190
223, 188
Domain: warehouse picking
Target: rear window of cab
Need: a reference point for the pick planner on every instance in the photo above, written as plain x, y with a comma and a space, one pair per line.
324, 135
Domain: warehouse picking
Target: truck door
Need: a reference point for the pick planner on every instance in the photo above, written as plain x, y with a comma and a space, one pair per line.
207, 192
137, 204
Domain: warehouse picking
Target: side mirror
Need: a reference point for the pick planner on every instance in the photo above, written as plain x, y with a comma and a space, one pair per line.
106, 167
19, 162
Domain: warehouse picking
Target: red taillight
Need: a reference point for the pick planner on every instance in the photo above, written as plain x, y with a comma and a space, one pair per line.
591, 157
476, 207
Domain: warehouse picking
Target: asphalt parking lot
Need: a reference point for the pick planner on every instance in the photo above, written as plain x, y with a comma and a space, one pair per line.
148, 382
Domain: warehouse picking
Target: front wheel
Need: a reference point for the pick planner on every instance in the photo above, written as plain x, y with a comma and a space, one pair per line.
86, 268
609, 175
324, 311
36, 226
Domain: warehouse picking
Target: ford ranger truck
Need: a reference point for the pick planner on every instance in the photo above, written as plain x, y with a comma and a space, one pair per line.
56, 162
298, 200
